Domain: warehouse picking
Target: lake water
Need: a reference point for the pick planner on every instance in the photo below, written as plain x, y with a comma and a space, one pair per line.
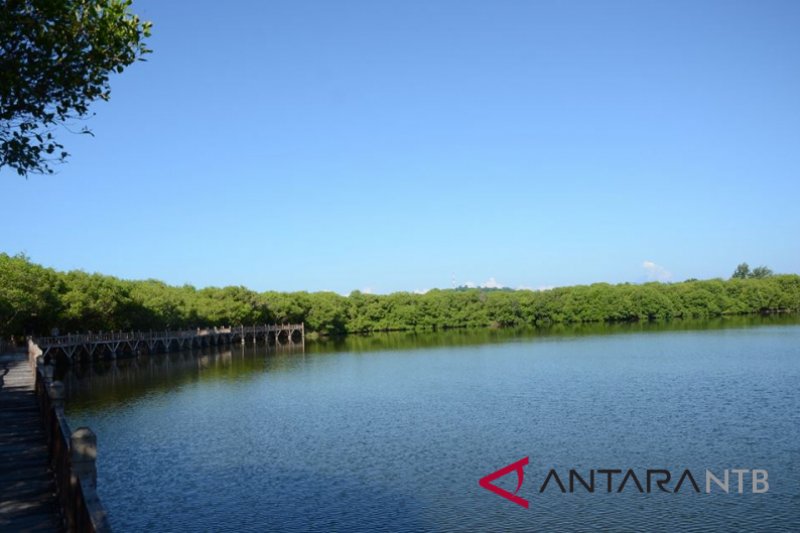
393, 432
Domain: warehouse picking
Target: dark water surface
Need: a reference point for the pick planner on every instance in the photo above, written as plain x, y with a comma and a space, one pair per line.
392, 432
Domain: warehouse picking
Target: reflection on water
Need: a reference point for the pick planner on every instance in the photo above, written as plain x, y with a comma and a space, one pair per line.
118, 381
461, 337
123, 379
392, 431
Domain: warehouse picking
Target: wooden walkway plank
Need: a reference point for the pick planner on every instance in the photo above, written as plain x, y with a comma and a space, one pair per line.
27, 485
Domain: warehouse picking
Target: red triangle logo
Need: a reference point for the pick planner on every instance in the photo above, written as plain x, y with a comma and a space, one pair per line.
486, 482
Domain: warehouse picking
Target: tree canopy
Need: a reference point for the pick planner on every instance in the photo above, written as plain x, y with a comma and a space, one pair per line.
56, 57
743, 272
34, 299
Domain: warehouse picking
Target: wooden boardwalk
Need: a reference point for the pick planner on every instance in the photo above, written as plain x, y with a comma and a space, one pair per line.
123, 343
27, 484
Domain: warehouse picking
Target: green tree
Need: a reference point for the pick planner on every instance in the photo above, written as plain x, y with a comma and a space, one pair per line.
761, 272
29, 296
94, 302
742, 271
55, 60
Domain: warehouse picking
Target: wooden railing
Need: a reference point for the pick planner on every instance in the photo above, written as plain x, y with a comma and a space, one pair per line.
72, 454
123, 336
114, 336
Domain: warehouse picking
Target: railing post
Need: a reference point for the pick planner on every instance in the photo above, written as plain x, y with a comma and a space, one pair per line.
83, 454
57, 393
47, 373
34, 352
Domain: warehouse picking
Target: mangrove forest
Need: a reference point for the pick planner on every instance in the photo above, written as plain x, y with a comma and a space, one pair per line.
36, 300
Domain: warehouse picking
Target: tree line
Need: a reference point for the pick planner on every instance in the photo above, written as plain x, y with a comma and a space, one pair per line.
35, 299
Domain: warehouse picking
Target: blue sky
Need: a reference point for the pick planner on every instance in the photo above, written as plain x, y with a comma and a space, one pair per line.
399, 145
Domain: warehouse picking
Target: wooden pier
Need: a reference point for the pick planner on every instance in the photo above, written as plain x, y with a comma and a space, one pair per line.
48, 478
28, 499
121, 343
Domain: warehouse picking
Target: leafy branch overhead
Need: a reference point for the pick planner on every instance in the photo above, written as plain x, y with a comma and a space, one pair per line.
56, 57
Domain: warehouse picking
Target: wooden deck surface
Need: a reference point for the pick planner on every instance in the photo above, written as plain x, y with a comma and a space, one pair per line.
27, 486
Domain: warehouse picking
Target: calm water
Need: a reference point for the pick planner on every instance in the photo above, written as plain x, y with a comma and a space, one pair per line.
392, 433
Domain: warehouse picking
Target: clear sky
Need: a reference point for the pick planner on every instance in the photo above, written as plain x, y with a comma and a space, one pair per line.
397, 145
